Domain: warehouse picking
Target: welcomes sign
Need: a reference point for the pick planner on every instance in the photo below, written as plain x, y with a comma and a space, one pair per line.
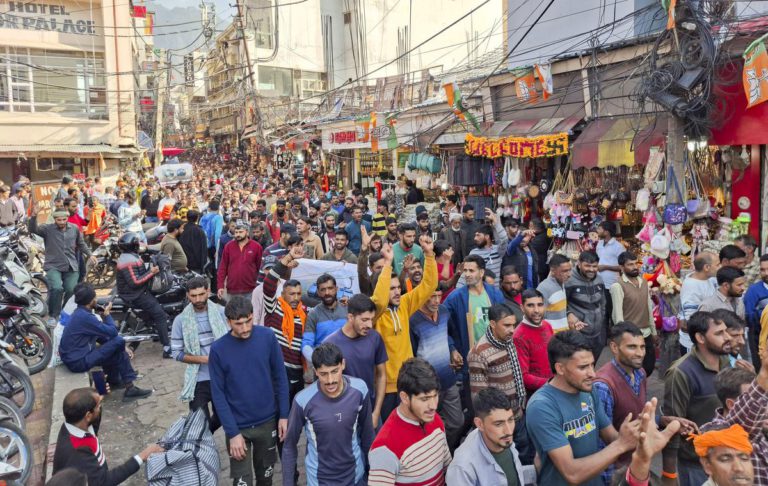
531, 147
62, 18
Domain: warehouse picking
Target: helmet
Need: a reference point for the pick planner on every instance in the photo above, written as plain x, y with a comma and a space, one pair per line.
129, 243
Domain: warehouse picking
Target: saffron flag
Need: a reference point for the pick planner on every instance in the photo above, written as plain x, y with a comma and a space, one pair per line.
525, 87
544, 73
363, 129
755, 74
149, 24
669, 7
456, 102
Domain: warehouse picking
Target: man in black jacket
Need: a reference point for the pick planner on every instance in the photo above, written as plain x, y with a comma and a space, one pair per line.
540, 246
194, 242
78, 446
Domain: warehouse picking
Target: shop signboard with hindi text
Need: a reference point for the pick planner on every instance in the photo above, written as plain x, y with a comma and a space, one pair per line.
42, 195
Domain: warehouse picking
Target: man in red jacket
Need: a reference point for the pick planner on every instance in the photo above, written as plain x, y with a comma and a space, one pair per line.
531, 339
240, 263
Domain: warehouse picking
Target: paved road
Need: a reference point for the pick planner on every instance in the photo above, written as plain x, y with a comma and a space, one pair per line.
126, 428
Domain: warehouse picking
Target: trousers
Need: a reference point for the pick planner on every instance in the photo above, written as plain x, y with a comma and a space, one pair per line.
60, 284
204, 398
260, 456
149, 305
111, 356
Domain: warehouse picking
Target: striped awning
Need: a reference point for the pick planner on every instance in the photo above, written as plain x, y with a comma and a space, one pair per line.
618, 141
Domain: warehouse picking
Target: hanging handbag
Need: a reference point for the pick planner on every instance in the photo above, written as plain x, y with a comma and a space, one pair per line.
692, 205
674, 213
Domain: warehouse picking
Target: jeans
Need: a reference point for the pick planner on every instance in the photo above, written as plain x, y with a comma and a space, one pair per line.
260, 456
151, 219
450, 410
149, 305
202, 399
59, 283
111, 356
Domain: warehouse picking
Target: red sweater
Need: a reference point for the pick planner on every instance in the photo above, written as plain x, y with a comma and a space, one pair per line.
531, 344
239, 267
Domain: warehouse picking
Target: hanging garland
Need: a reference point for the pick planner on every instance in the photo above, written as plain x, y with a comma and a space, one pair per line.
530, 147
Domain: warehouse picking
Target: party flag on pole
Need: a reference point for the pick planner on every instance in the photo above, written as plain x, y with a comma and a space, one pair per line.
525, 86
755, 73
544, 73
456, 102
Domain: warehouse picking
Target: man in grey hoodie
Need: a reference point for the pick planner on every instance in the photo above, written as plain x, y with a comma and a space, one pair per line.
585, 294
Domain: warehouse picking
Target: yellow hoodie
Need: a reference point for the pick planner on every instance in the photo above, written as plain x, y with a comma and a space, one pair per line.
392, 322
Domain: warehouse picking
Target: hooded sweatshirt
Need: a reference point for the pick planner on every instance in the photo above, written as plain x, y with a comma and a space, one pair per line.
393, 322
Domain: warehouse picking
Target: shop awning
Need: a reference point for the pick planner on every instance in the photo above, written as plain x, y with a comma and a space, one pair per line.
73, 149
539, 126
618, 141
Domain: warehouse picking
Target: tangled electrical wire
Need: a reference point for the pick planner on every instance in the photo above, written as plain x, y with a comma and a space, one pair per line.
686, 67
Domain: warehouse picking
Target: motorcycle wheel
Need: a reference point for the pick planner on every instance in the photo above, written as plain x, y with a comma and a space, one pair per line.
35, 346
42, 285
102, 275
16, 450
17, 386
9, 409
37, 305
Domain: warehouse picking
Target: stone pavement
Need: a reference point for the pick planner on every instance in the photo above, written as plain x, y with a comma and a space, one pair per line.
126, 428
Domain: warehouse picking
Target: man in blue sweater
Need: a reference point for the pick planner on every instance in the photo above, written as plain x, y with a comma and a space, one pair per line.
755, 300
84, 331
250, 389
335, 413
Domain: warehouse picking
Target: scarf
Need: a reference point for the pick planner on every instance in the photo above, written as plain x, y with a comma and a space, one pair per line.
734, 437
192, 342
517, 372
289, 315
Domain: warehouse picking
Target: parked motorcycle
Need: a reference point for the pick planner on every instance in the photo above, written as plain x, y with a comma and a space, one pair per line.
24, 331
16, 459
11, 268
103, 273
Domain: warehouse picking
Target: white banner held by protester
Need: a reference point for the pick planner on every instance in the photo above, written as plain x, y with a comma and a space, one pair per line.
345, 274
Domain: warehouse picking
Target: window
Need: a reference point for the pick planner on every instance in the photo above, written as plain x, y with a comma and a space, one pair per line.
70, 83
275, 79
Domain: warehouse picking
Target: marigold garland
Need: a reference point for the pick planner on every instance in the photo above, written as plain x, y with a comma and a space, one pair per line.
531, 147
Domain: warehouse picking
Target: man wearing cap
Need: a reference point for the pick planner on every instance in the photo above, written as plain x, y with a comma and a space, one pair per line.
89, 341
9, 212
239, 265
62, 240
456, 236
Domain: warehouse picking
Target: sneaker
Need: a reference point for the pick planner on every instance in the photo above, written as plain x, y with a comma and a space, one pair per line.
134, 393
167, 355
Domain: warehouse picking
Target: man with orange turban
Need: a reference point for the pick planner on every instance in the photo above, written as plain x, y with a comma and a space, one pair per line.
725, 455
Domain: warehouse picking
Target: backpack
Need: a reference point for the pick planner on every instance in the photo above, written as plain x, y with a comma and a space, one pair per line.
163, 280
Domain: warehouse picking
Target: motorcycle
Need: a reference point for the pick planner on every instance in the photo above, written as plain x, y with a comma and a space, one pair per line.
132, 323
103, 273
11, 268
16, 457
24, 331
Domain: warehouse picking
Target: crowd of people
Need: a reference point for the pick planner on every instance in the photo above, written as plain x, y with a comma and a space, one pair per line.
467, 358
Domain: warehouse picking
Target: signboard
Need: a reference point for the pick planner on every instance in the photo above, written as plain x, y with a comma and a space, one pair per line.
170, 174
343, 136
189, 70
345, 274
43, 194
529, 147
49, 17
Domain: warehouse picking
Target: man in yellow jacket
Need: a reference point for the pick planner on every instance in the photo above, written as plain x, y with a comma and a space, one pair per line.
393, 312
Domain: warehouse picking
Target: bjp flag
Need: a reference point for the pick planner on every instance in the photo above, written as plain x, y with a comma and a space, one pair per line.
544, 73
755, 74
525, 87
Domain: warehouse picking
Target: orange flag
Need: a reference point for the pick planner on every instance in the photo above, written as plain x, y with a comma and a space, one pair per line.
525, 87
755, 73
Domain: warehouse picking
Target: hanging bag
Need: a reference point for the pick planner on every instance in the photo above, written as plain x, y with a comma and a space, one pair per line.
674, 213
692, 205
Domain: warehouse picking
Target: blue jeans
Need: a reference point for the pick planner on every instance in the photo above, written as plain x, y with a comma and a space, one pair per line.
59, 284
111, 356
151, 219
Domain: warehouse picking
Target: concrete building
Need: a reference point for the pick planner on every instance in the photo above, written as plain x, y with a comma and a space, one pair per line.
66, 89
